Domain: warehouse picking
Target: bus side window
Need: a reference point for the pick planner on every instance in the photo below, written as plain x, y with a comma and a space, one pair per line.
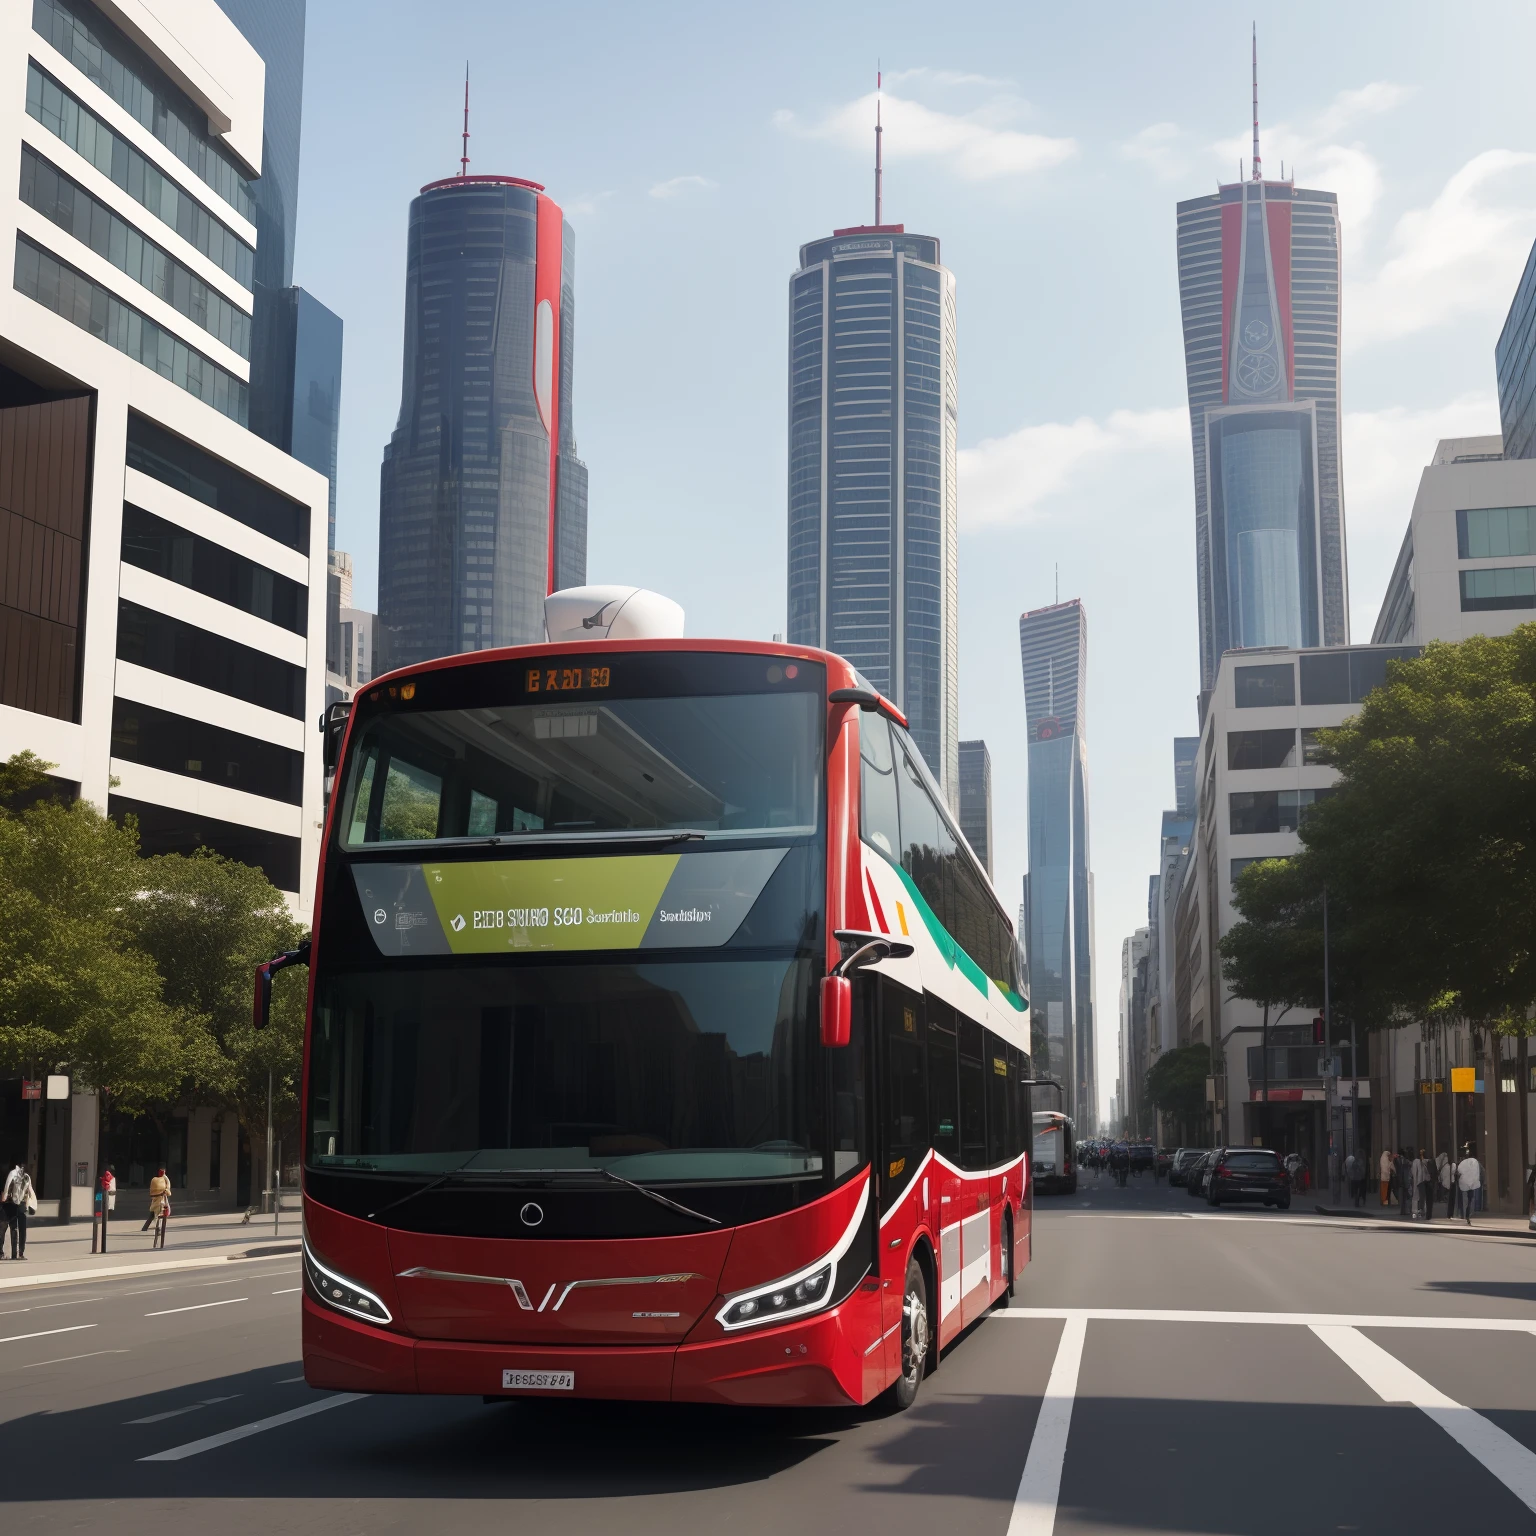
879, 824
926, 841
906, 1099
973, 1096
995, 1070
943, 1094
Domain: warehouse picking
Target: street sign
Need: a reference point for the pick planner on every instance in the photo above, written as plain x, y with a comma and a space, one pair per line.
1463, 1079
31, 1090
58, 1085
1431, 1085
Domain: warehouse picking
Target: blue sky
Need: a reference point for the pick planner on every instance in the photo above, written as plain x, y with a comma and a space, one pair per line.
695, 147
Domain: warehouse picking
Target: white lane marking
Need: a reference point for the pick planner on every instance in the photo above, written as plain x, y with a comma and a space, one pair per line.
176, 1413
202, 1306
244, 1431
45, 1333
48, 1306
1393, 1382
292, 1290
1034, 1505
287, 1381
1285, 1319
65, 1359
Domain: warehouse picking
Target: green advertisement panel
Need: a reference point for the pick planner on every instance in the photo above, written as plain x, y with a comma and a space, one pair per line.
501, 906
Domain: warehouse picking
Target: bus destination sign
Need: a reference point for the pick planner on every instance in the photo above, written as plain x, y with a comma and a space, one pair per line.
567, 679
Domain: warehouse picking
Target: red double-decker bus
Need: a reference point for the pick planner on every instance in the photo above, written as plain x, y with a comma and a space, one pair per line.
665, 1037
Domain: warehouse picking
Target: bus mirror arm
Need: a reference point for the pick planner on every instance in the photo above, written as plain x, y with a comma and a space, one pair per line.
261, 1012
837, 988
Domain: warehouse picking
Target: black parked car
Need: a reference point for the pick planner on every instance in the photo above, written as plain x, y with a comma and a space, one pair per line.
1194, 1176
1183, 1160
1248, 1173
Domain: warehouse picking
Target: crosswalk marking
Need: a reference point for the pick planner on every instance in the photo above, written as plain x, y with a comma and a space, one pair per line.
1281, 1319
244, 1431
1393, 1382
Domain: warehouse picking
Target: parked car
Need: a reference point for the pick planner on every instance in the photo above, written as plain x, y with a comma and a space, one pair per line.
1194, 1179
1247, 1173
1183, 1160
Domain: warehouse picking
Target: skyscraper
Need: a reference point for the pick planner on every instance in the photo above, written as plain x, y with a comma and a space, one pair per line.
872, 471
1259, 289
1185, 751
483, 501
1053, 643
976, 799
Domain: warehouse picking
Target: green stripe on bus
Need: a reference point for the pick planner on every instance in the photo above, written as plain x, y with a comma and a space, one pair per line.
954, 957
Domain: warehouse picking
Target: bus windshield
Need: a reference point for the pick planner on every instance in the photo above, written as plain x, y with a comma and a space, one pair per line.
685, 1070
724, 766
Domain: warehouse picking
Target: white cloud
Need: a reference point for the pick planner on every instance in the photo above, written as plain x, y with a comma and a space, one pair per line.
1460, 255
977, 146
1009, 480
678, 186
589, 204
947, 77
1156, 147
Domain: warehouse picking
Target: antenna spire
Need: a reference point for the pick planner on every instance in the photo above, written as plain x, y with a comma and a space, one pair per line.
878, 130
1258, 169
464, 150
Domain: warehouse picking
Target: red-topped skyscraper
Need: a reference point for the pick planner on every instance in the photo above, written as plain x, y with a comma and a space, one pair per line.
1259, 289
482, 499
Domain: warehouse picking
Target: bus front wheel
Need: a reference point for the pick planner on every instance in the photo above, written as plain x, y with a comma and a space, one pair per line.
914, 1338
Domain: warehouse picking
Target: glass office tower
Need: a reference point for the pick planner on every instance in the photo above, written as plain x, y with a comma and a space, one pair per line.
1053, 643
482, 498
1515, 361
872, 469
976, 799
1259, 290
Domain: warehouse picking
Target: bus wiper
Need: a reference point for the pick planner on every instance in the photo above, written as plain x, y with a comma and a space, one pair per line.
581, 838
427, 1188
654, 1194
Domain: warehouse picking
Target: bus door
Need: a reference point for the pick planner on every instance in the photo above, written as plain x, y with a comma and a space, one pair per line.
974, 1207
903, 1098
948, 1187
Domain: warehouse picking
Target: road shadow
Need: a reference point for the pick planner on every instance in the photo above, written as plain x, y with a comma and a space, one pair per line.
1513, 1290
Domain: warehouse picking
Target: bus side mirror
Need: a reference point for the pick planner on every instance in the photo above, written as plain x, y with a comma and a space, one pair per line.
261, 1010
836, 1010
333, 726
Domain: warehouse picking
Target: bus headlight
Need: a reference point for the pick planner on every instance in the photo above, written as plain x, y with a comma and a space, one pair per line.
342, 1294
796, 1295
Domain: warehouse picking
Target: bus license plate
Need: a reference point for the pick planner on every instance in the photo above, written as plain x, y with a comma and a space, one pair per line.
538, 1381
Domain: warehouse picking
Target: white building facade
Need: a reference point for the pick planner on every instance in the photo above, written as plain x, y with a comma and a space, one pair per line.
162, 569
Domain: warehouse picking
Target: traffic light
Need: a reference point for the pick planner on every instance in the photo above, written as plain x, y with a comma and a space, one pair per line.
1318, 1031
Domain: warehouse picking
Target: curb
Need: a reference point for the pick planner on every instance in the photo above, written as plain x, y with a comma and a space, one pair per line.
120, 1271
1398, 1225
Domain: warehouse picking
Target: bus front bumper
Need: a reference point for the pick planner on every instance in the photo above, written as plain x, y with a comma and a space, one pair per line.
809, 1363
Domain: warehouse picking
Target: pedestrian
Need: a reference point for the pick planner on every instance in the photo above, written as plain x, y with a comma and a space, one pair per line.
20, 1201
1407, 1186
1447, 1177
1424, 1187
1354, 1176
1469, 1180
159, 1198
1385, 1171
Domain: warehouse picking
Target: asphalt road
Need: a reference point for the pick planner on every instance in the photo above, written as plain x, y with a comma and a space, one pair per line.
1374, 1380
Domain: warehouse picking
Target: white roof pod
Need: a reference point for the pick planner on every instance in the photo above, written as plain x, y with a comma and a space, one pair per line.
610, 613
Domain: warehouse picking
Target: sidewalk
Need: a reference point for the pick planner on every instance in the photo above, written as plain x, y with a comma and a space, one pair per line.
1373, 1210
58, 1254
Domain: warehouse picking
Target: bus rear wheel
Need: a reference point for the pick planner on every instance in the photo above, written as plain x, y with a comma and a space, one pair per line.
914, 1338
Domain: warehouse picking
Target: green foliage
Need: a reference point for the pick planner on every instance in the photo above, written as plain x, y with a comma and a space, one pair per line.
136, 975
1175, 1084
1427, 849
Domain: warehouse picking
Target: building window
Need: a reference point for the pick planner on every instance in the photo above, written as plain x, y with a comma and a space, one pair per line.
1256, 813
188, 559
164, 830
179, 464
1346, 676
1487, 533
85, 133
63, 200
176, 744
179, 649
1508, 586
113, 64
1313, 752
1239, 865
73, 295
1261, 749
1264, 687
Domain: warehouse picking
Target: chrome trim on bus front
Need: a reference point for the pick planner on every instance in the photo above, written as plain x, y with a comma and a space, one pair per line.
518, 1290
